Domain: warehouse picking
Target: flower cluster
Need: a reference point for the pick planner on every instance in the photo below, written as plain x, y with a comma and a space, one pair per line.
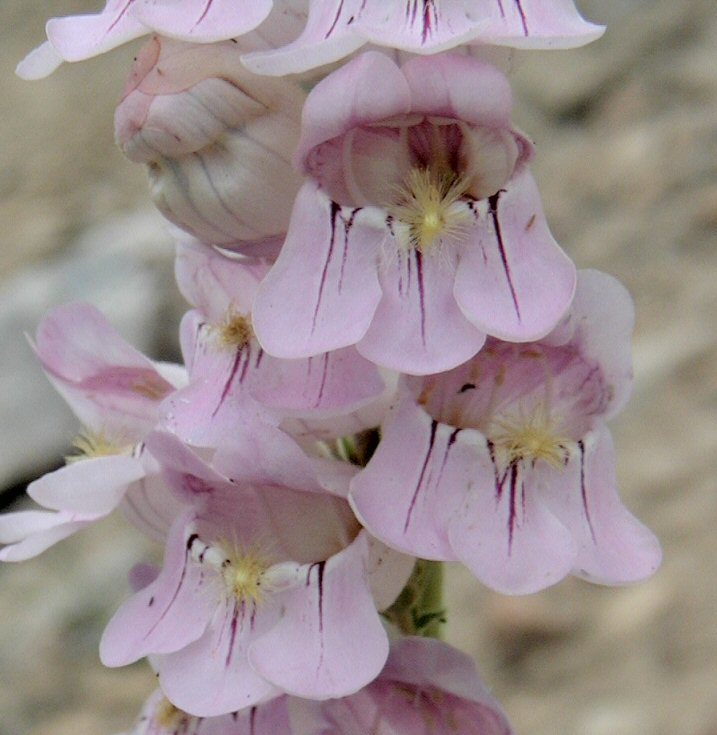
388, 357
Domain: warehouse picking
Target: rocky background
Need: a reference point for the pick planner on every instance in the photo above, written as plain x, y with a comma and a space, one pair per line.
626, 131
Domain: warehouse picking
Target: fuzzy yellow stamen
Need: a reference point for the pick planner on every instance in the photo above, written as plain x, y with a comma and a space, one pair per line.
91, 444
428, 204
170, 718
235, 331
533, 438
243, 573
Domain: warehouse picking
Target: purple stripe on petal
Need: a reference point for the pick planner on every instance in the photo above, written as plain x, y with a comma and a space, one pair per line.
233, 632
583, 490
230, 380
431, 443
322, 385
119, 17
335, 209
190, 541
493, 210
422, 293
205, 12
332, 28
523, 19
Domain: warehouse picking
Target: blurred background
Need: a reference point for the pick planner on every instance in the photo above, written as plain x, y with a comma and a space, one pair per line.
626, 135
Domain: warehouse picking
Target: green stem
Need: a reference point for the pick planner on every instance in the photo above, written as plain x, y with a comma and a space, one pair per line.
419, 608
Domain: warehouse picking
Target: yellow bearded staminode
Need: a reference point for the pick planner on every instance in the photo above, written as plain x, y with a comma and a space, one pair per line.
532, 436
169, 718
243, 572
428, 203
236, 331
90, 444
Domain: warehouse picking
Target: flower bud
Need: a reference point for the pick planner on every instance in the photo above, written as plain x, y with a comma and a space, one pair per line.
216, 139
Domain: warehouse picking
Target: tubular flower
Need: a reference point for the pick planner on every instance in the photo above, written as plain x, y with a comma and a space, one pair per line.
329, 395
80, 37
160, 717
336, 28
115, 392
217, 141
419, 228
264, 584
425, 687
505, 463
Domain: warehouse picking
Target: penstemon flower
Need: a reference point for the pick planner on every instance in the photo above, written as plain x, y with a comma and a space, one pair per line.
336, 28
419, 228
160, 717
217, 141
263, 585
505, 463
115, 392
425, 687
80, 37
384, 222
330, 395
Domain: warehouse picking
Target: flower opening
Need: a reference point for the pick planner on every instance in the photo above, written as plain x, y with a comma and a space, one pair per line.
531, 436
428, 205
236, 331
90, 444
242, 569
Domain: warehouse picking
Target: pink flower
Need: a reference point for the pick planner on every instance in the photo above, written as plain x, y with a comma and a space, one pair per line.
419, 229
505, 463
329, 395
216, 139
115, 392
80, 37
425, 684
160, 717
426, 687
266, 582
336, 28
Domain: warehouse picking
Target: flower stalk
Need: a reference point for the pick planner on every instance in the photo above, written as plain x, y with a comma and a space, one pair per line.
419, 609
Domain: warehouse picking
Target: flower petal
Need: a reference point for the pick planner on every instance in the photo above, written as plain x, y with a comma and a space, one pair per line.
461, 88
600, 323
39, 63
168, 614
111, 386
613, 546
314, 650
323, 289
428, 663
326, 38
202, 21
79, 37
95, 485
415, 479
513, 280
388, 572
368, 89
28, 533
331, 384
418, 327
212, 675
533, 24
213, 282
505, 534
432, 28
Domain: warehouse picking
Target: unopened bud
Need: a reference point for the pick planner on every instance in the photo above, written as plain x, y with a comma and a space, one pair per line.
217, 140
